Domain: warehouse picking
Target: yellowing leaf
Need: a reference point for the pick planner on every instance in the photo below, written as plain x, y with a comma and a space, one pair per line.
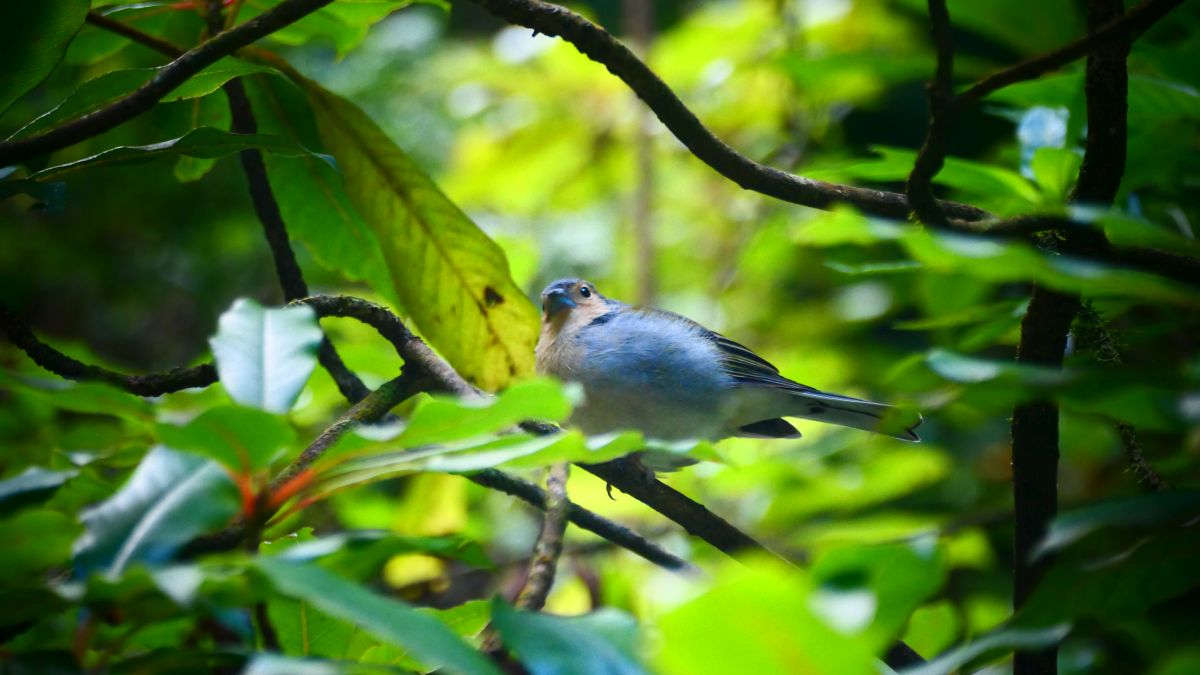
451, 278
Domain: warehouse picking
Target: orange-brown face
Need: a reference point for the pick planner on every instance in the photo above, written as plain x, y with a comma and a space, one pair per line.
566, 296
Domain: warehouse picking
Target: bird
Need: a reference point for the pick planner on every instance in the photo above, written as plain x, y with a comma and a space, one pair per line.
673, 379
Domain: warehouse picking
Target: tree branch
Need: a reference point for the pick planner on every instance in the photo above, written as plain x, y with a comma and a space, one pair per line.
1125, 28
932, 154
1048, 320
168, 78
153, 384
617, 534
598, 45
548, 547
145, 39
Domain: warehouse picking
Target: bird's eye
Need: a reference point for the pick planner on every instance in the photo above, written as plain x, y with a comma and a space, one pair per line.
585, 291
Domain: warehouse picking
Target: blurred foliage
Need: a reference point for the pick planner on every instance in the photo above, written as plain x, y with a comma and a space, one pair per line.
448, 166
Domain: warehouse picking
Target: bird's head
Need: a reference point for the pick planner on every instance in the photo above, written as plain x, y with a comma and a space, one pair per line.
565, 296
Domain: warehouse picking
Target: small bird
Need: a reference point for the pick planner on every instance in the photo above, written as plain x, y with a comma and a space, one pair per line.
673, 379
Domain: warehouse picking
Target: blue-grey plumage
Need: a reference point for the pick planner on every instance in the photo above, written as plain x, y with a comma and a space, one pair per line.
673, 379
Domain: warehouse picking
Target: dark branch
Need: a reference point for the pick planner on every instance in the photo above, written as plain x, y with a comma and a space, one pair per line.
932, 155
598, 45
1048, 320
549, 544
154, 384
145, 39
629, 477
595, 43
618, 534
1124, 29
167, 79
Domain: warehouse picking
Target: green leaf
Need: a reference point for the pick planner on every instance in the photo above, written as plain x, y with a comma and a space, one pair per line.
170, 498
34, 540
33, 486
1118, 588
1138, 513
243, 440
344, 24
441, 419
264, 356
600, 643
872, 590
1006, 22
310, 192
92, 398
49, 196
33, 38
1055, 170
361, 553
451, 278
102, 90
203, 143
756, 620
1002, 190
93, 44
991, 645
390, 620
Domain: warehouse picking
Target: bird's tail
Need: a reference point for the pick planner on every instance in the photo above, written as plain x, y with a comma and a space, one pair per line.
856, 413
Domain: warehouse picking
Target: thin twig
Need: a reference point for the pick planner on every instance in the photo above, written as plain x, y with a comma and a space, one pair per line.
1127, 27
614, 532
167, 79
598, 45
145, 39
601, 47
548, 547
932, 154
49, 358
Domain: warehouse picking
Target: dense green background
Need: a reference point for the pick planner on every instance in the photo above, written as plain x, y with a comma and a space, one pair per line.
130, 265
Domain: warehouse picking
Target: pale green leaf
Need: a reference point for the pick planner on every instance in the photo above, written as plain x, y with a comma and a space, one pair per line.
451, 278
264, 356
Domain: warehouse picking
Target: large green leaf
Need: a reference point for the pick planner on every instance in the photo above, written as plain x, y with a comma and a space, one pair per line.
1118, 587
451, 278
1139, 513
870, 591
264, 356
203, 143
442, 419
241, 439
310, 192
106, 88
601, 643
390, 620
32, 486
756, 620
33, 38
1008, 22
170, 498
344, 24
91, 398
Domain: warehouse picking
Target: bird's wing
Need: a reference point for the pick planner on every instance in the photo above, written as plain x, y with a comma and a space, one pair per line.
737, 360
748, 368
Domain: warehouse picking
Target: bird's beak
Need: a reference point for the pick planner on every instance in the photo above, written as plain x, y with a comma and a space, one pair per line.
558, 300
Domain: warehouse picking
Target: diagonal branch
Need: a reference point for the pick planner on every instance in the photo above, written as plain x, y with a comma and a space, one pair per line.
171, 76
598, 45
932, 155
1124, 28
49, 358
601, 47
